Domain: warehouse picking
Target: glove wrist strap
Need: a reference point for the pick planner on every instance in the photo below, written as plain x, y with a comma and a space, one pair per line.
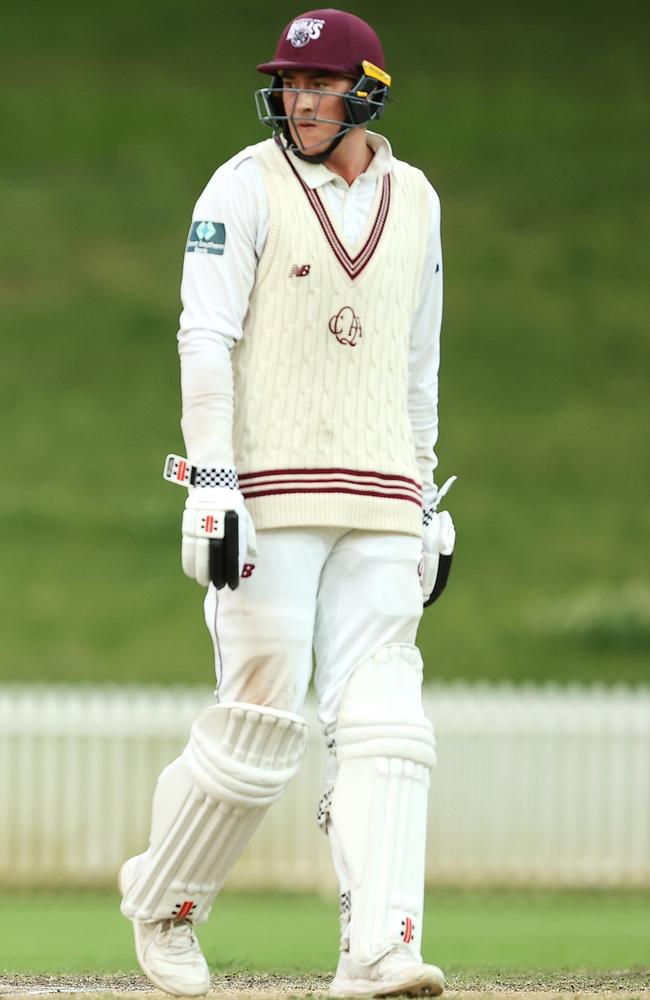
178, 470
428, 514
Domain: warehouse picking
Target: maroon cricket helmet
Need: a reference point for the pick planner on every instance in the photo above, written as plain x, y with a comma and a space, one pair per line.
330, 40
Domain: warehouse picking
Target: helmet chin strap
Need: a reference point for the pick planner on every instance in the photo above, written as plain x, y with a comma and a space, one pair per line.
315, 157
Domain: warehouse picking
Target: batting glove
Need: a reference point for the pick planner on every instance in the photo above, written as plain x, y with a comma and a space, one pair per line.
218, 532
438, 540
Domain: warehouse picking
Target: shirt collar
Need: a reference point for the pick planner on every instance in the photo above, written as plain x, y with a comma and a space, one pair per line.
318, 174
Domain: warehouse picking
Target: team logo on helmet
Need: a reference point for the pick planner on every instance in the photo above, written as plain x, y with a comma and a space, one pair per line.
304, 30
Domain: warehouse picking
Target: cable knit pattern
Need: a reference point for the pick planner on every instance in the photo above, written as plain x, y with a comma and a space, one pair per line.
321, 430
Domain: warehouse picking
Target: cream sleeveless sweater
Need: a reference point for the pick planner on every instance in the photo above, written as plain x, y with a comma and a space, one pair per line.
321, 427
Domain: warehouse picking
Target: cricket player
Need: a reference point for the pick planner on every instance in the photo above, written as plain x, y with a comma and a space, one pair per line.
309, 347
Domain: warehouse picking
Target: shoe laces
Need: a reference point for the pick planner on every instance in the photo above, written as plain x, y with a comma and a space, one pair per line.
178, 936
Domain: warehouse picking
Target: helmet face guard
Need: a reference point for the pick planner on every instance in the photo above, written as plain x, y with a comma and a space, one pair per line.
363, 102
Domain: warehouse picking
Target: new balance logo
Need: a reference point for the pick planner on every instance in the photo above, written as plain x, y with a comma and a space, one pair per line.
300, 270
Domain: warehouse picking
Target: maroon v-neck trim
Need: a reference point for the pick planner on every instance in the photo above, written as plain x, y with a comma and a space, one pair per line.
352, 265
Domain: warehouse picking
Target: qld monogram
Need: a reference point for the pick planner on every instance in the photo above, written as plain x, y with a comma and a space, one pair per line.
346, 326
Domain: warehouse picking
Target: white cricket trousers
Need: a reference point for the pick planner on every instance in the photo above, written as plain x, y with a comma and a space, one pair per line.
337, 592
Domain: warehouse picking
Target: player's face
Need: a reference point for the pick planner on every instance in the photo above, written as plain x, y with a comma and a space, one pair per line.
314, 111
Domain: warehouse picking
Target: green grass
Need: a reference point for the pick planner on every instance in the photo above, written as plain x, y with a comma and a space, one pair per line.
469, 934
529, 119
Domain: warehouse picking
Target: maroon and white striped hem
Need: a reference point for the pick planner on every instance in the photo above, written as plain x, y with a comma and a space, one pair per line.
354, 482
352, 265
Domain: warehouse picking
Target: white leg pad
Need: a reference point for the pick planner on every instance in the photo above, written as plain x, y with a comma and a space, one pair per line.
239, 759
377, 818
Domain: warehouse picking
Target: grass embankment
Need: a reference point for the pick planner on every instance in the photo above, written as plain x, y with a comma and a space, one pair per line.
530, 122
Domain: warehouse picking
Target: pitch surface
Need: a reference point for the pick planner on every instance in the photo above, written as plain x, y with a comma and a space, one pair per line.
624, 985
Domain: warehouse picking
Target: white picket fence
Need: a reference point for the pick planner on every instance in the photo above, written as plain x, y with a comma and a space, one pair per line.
534, 787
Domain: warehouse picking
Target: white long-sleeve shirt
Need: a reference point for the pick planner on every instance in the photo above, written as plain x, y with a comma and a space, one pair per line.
216, 289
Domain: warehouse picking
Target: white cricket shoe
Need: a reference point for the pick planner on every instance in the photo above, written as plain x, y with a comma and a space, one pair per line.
396, 974
167, 950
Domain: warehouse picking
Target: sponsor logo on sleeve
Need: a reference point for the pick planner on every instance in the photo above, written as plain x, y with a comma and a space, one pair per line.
206, 237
